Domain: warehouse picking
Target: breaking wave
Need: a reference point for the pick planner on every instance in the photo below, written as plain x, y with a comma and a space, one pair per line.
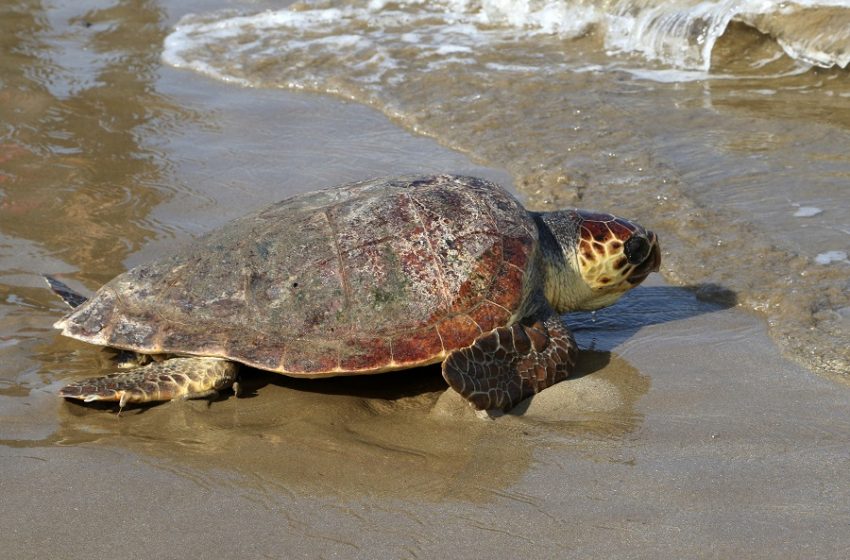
679, 33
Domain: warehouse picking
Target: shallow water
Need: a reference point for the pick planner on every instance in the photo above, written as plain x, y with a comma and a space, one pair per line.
715, 122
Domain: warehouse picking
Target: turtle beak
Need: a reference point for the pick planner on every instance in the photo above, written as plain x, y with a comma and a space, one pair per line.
645, 252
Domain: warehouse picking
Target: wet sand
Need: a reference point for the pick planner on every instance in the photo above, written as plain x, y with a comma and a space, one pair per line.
684, 435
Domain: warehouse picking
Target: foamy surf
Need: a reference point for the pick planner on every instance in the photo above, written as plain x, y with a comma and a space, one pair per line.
681, 34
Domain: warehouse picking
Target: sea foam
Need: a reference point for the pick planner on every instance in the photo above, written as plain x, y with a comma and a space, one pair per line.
681, 34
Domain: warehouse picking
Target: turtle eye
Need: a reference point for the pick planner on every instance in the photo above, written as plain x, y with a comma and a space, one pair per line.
637, 249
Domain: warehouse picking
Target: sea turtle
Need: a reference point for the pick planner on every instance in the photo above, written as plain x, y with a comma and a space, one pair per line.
363, 278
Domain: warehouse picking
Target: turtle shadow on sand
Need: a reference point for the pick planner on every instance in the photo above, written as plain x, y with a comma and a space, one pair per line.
388, 386
645, 306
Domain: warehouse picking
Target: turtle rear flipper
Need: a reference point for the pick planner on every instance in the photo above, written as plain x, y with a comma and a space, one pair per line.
69, 296
508, 364
177, 378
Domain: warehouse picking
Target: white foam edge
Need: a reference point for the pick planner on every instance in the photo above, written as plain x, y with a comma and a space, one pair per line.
193, 31
830, 257
807, 211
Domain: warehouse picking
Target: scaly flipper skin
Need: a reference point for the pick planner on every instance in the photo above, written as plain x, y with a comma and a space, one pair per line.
177, 378
508, 364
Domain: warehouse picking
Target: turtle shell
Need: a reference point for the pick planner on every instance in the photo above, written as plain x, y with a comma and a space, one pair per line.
361, 278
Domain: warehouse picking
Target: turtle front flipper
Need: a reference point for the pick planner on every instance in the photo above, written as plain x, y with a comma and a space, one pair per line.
177, 378
508, 364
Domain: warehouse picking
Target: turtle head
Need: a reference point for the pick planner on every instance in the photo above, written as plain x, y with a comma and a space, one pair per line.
592, 258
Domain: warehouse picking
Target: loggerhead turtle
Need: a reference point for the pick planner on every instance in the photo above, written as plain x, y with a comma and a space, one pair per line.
364, 278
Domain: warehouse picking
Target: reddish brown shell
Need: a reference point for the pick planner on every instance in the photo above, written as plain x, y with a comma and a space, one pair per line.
361, 278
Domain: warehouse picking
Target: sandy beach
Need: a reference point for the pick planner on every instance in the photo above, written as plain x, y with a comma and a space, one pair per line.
689, 436
685, 433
